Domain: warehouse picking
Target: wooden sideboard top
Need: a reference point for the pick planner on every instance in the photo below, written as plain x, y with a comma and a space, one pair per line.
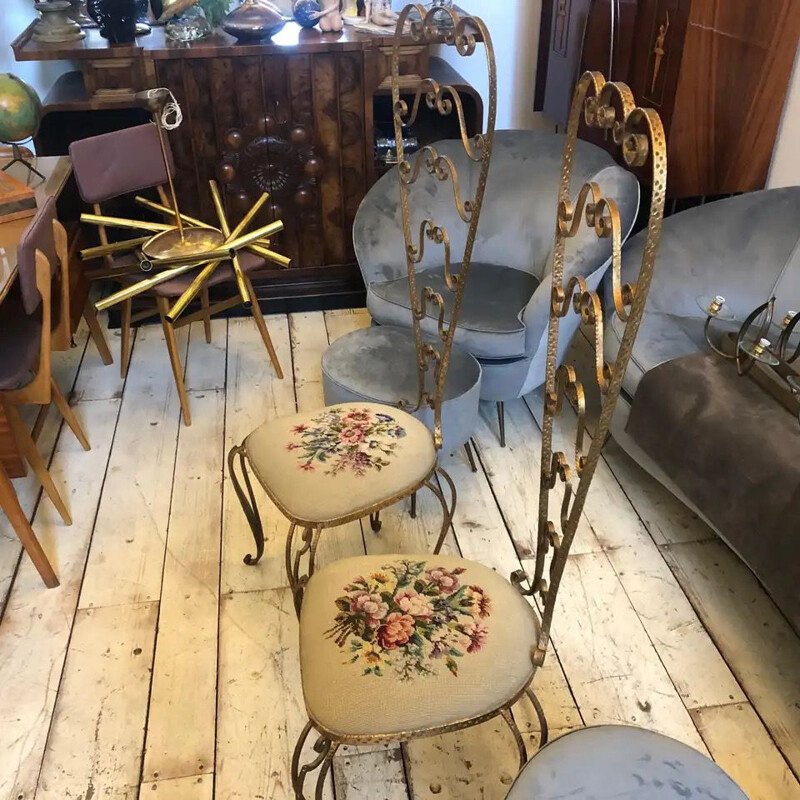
56, 171
156, 46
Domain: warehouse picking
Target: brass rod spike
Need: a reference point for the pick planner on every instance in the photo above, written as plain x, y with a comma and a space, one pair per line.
173, 196
113, 247
161, 209
179, 306
121, 222
241, 284
250, 215
142, 286
271, 255
218, 207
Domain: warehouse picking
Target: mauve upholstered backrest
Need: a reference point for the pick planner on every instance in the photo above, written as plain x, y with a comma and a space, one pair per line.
38, 236
120, 162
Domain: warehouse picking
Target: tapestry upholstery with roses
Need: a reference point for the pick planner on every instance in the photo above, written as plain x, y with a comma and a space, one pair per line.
395, 643
324, 465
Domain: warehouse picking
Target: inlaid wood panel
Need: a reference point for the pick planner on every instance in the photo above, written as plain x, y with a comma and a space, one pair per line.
293, 126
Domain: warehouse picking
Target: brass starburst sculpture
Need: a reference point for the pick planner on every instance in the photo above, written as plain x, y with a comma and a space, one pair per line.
182, 243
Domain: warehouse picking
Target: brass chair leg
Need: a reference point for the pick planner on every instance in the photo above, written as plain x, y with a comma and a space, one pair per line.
294, 561
501, 421
34, 458
375, 521
96, 332
520, 742
125, 334
413, 512
69, 415
205, 304
324, 750
255, 310
447, 510
174, 358
247, 501
537, 707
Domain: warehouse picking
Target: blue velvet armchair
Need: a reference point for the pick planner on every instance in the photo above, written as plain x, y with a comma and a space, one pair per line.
503, 319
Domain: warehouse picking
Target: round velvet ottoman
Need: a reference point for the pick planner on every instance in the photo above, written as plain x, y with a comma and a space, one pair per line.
379, 365
619, 762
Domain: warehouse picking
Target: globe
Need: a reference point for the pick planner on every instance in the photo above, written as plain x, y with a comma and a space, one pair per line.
20, 109
306, 13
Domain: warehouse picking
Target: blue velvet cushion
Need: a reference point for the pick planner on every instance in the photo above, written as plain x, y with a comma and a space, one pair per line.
489, 325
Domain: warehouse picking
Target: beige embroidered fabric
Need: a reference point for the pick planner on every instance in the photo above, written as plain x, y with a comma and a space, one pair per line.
324, 465
401, 643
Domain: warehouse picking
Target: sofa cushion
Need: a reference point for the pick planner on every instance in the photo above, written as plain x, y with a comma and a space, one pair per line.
661, 338
489, 324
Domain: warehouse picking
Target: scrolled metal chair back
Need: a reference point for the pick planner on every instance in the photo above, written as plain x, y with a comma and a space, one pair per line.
464, 36
640, 134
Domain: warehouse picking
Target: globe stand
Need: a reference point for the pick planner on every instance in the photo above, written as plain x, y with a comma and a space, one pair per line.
16, 158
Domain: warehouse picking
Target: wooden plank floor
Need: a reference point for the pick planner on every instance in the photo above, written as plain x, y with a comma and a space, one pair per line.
163, 667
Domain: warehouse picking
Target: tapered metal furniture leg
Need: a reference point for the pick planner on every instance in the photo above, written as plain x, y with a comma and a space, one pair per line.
375, 521
470, 456
501, 421
519, 741
413, 512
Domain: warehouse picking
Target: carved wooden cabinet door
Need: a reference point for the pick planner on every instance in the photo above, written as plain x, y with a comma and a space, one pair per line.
289, 125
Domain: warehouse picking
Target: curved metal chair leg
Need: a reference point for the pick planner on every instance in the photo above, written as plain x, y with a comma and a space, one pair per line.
537, 707
325, 750
294, 561
447, 511
375, 521
520, 742
247, 501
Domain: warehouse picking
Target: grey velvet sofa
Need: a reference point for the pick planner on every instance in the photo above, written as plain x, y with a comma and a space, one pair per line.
503, 320
747, 249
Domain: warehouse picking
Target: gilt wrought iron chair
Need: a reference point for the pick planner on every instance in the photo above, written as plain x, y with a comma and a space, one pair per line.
398, 647
101, 175
352, 459
26, 338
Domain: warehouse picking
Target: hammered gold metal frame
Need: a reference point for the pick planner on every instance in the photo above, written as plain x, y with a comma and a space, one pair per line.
464, 36
639, 133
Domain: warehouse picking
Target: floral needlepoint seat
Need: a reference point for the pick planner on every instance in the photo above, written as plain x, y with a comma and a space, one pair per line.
329, 465
405, 644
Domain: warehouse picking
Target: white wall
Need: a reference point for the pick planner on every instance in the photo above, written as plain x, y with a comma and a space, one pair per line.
785, 169
14, 18
514, 26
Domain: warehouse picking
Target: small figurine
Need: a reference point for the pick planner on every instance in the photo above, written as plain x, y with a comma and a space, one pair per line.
379, 12
331, 18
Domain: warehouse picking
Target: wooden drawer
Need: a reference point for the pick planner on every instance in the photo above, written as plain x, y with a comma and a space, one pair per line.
413, 65
113, 78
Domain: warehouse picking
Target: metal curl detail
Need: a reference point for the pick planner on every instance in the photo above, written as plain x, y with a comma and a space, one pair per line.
640, 135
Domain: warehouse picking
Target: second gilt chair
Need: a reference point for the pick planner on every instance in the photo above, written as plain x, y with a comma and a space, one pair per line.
400, 647
128, 161
26, 342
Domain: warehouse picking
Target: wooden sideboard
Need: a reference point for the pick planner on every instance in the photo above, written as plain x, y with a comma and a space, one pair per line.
294, 116
717, 72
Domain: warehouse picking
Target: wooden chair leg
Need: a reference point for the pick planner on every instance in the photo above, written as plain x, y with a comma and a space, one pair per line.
262, 329
206, 303
28, 449
16, 516
96, 332
125, 353
174, 358
69, 415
